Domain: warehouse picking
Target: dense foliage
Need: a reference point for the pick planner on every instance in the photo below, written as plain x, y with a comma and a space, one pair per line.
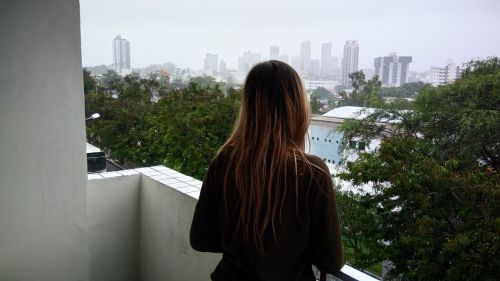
366, 93
406, 90
370, 93
146, 122
359, 230
436, 181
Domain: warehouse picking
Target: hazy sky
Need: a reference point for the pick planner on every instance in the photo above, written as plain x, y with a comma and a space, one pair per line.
184, 31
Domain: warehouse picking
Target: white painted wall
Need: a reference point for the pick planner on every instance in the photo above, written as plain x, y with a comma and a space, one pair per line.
166, 254
139, 222
43, 229
113, 215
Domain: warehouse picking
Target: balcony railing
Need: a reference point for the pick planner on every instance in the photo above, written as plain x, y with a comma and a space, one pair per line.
139, 224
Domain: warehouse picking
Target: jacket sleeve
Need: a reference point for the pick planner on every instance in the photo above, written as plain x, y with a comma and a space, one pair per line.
205, 232
326, 243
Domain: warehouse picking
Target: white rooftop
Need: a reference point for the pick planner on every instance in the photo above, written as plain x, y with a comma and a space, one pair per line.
347, 112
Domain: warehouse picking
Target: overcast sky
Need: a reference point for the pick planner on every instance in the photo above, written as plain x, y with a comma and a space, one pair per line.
183, 31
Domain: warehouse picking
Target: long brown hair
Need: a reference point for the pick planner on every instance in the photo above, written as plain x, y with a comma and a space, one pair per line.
268, 135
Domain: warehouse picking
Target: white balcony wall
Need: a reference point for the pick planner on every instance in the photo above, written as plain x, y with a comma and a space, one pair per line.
113, 214
166, 215
43, 229
139, 223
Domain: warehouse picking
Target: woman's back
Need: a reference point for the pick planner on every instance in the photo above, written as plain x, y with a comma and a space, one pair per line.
307, 229
266, 205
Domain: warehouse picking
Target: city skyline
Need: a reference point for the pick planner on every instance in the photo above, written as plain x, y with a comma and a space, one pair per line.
183, 32
326, 64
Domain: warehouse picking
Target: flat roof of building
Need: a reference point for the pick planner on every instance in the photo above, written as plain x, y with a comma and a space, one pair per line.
348, 112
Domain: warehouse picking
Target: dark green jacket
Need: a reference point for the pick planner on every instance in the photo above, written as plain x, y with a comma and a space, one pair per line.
309, 235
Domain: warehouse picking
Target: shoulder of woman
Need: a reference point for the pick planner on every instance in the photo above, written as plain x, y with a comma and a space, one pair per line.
219, 162
320, 175
318, 165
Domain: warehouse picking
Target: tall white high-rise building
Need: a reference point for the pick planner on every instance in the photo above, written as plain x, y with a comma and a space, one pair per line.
211, 64
305, 56
350, 60
392, 70
121, 54
247, 61
444, 75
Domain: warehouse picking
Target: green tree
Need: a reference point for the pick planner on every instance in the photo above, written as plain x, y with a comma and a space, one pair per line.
109, 79
360, 233
204, 82
182, 129
194, 123
89, 82
436, 180
121, 129
365, 93
406, 90
315, 104
322, 93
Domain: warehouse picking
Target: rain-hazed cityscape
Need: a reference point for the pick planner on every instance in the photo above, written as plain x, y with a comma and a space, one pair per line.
265, 140
416, 40
402, 96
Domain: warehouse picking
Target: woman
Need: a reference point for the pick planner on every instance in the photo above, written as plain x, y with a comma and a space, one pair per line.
265, 204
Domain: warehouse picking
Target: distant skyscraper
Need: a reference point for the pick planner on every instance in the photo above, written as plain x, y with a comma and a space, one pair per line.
305, 56
211, 64
121, 54
222, 67
329, 64
392, 70
248, 60
444, 75
314, 67
350, 60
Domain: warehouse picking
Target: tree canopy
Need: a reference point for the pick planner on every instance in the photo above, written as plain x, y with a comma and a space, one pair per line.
181, 129
406, 90
436, 181
365, 93
370, 93
322, 93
